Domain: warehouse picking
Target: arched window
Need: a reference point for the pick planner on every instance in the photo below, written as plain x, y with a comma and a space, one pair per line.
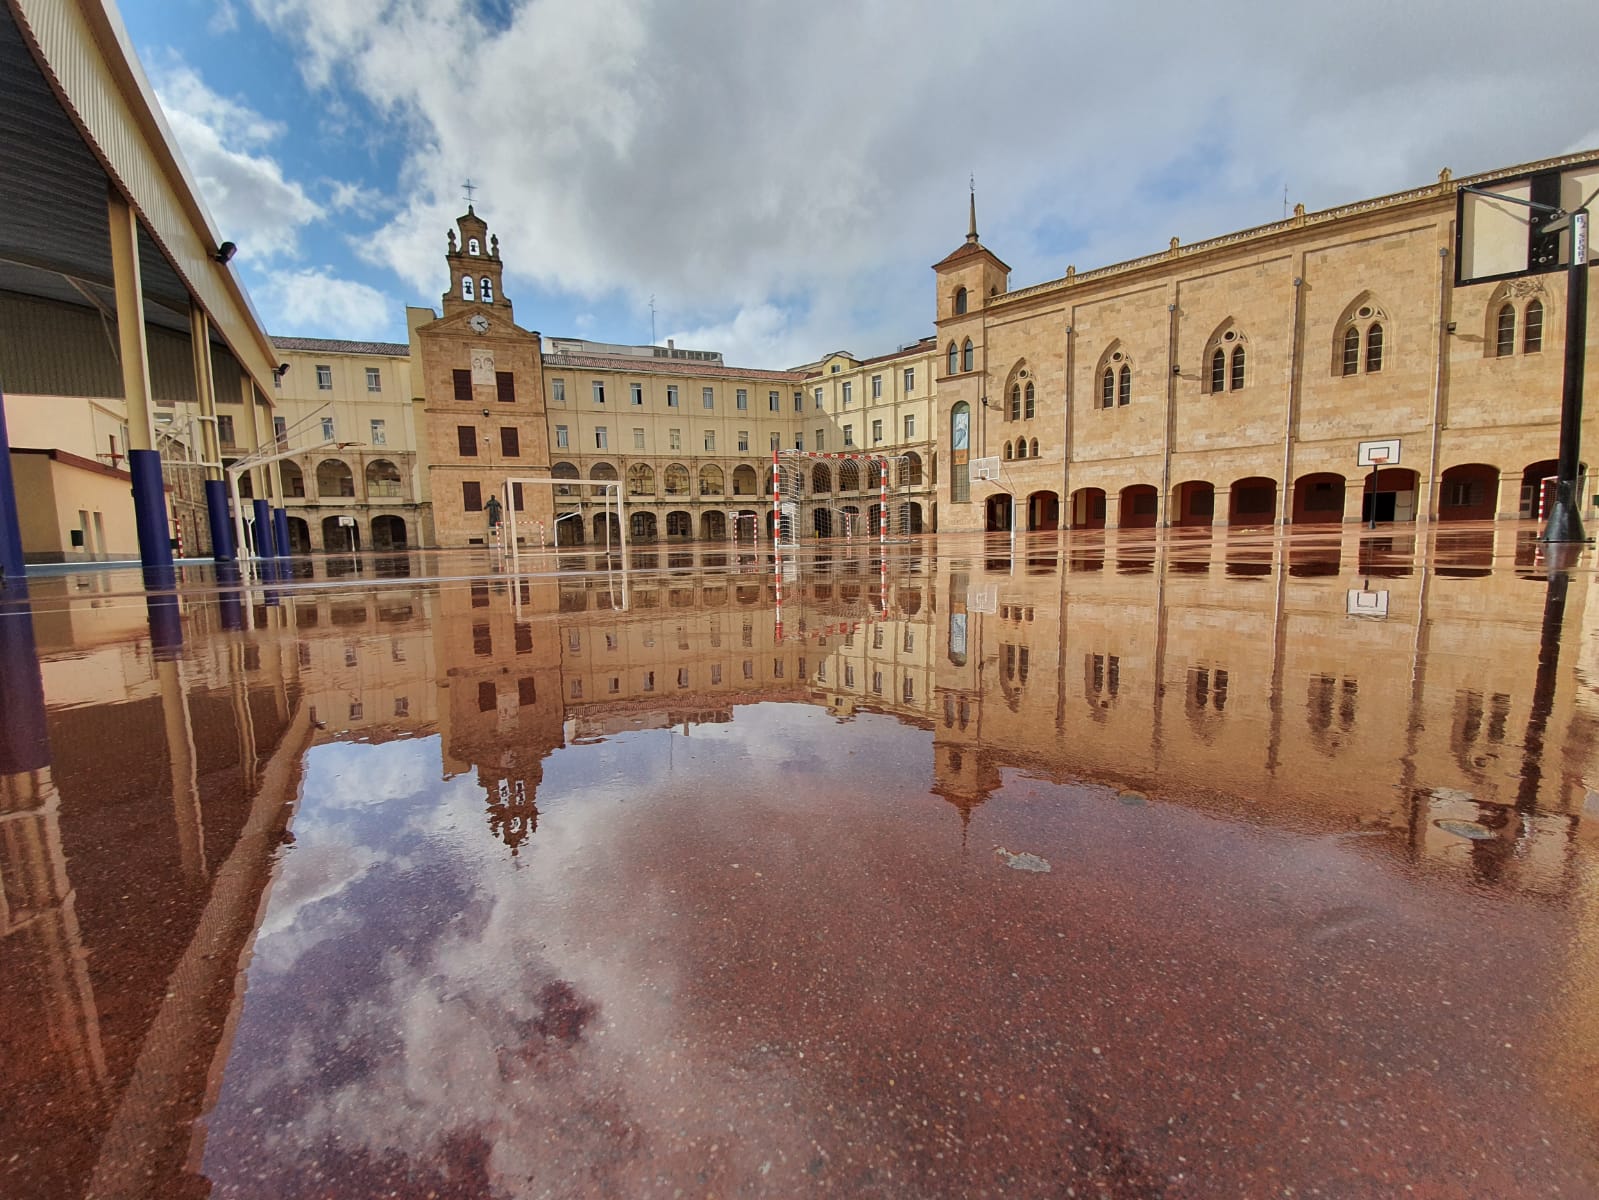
472, 246
485, 289
1351, 350
1031, 406
1032, 451
1124, 391
1374, 348
1107, 389
960, 301
466, 287
1218, 370
1532, 329
1007, 452
966, 355
1021, 447
1238, 368
1506, 344
954, 362
1015, 402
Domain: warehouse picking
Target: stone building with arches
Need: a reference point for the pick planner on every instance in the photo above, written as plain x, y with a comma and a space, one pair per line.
1231, 381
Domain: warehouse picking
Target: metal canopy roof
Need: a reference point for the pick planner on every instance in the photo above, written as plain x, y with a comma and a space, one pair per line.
54, 225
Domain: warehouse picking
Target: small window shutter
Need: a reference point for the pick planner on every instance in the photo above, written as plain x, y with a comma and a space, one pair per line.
466, 440
463, 386
510, 443
505, 385
472, 496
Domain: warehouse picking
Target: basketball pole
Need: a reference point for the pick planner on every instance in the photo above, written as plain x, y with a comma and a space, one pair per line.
1565, 519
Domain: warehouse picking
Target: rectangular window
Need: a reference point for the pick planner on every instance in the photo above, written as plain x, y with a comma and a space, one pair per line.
849, 435
777, 440
324, 379
374, 379
327, 429
710, 439
516, 496
849, 393
818, 394
635, 392
772, 401
472, 496
638, 438
463, 386
910, 427
558, 390
505, 387
466, 440
380, 433
526, 691
743, 398
602, 439
280, 430
563, 437
877, 387
707, 397
877, 432
674, 439
671, 396
799, 441
821, 442
799, 401
599, 391
510, 442
910, 380
225, 430
743, 439
483, 645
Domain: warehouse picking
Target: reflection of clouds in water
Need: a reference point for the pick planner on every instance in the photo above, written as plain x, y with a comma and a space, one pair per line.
413, 987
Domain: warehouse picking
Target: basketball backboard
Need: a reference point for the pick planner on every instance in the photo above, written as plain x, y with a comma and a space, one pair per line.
986, 468
1497, 236
1383, 452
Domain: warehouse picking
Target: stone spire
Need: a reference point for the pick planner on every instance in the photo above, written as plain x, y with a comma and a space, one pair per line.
971, 224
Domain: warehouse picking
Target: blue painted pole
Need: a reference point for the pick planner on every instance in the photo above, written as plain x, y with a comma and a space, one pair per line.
24, 739
164, 613
280, 527
12, 569
221, 518
150, 508
229, 599
263, 530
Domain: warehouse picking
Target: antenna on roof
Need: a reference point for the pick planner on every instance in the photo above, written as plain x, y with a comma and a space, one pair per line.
652, 319
1285, 201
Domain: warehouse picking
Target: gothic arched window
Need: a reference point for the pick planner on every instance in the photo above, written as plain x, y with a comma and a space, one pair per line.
1506, 343
960, 301
1031, 405
954, 360
1218, 370
1124, 394
1238, 368
1374, 348
1015, 402
1532, 328
1107, 390
966, 355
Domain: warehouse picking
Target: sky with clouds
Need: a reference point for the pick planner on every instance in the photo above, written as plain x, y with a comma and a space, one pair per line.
778, 176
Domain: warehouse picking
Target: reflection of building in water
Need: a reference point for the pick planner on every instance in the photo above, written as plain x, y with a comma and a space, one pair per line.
366, 663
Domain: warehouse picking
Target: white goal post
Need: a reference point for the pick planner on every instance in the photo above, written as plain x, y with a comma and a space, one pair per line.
818, 494
613, 491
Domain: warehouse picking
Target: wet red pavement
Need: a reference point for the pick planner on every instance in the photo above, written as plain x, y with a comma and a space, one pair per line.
583, 900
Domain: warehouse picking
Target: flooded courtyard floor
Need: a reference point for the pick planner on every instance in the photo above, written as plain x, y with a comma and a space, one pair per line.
1092, 864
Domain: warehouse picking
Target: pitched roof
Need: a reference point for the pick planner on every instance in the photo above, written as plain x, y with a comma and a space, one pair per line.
668, 366
967, 250
337, 346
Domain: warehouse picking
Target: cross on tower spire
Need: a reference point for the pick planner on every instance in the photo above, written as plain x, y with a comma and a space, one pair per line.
468, 187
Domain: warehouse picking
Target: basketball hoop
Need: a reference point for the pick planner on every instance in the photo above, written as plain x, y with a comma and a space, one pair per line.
1378, 458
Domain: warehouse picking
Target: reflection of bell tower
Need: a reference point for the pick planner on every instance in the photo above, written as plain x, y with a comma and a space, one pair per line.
513, 816
475, 267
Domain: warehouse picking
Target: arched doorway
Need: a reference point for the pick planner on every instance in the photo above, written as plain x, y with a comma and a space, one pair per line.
1319, 499
338, 538
910, 470
713, 526
849, 521
821, 480
997, 512
334, 479
1394, 497
293, 478
299, 536
568, 528
641, 526
913, 523
604, 522
1088, 508
388, 532
679, 524
1043, 511
383, 480
822, 522
1194, 502
1139, 507
1252, 501
1468, 492
1538, 487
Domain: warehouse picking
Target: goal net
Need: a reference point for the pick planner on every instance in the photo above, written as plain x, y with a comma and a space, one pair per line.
843, 497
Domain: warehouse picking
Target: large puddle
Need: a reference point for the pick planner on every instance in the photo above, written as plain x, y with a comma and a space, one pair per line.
1110, 866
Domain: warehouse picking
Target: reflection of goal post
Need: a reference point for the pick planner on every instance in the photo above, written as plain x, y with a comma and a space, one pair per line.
742, 525
843, 495
613, 491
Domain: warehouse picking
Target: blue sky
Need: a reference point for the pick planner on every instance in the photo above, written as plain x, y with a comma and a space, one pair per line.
778, 176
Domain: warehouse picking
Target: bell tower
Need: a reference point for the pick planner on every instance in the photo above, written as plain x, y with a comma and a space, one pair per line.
475, 267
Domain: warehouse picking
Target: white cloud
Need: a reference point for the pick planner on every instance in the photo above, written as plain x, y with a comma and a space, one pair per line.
224, 19
224, 142
309, 298
741, 161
